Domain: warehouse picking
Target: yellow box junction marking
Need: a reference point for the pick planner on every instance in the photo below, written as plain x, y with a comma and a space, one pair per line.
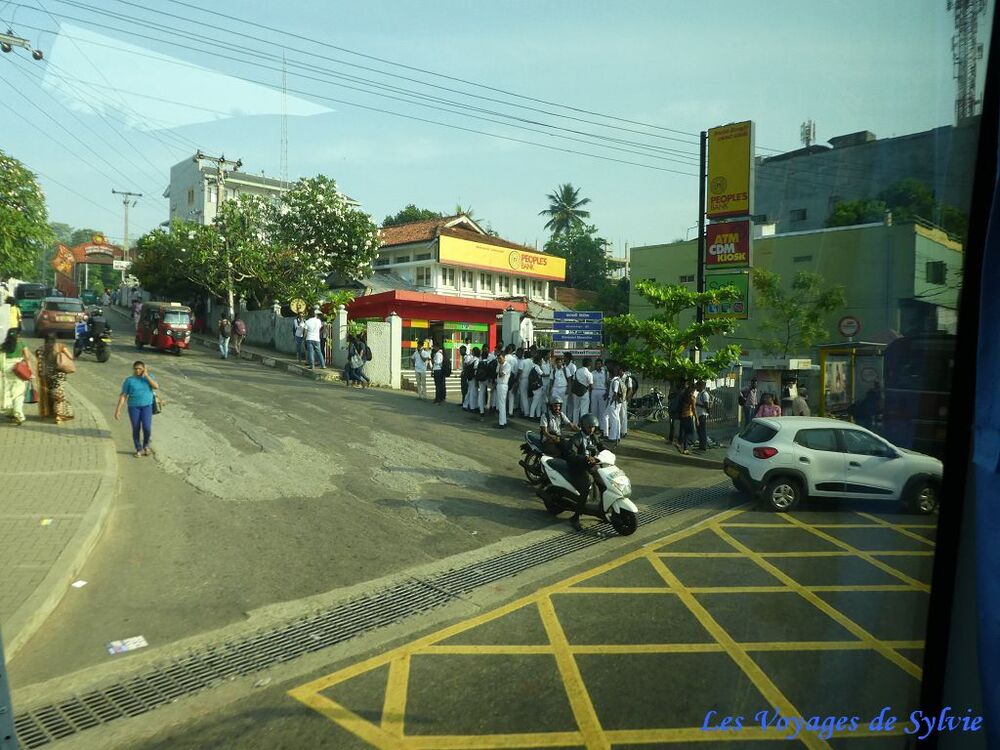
390, 732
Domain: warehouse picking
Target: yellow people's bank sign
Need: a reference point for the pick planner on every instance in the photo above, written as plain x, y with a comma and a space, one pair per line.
730, 170
467, 254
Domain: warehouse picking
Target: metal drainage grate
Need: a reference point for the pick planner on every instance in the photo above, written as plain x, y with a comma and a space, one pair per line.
201, 669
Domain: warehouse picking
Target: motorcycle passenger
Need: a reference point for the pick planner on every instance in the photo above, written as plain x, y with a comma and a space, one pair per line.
551, 425
97, 324
581, 456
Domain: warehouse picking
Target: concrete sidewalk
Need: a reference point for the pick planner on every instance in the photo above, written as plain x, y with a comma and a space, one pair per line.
59, 485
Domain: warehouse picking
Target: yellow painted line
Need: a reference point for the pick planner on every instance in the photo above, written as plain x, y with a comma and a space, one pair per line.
827, 645
663, 648
490, 741
394, 708
710, 555
788, 524
900, 528
750, 668
576, 690
866, 556
367, 731
783, 589
856, 630
491, 649
616, 590
902, 553
649, 648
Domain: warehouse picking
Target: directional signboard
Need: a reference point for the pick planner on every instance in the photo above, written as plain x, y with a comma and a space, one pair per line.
576, 336
578, 326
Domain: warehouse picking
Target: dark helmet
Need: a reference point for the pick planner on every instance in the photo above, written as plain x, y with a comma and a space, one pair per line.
588, 421
97, 312
556, 401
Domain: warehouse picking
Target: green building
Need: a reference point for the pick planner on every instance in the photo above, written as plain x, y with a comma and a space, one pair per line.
899, 279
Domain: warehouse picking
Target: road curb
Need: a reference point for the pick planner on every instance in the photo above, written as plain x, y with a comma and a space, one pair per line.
30, 616
329, 376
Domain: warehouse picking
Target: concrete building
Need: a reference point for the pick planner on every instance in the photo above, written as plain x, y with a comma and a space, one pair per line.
451, 281
194, 191
899, 279
798, 190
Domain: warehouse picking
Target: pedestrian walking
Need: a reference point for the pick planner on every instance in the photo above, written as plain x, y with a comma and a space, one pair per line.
313, 327
504, 370
14, 321
463, 375
298, 333
354, 361
439, 370
536, 386
687, 419
55, 362
136, 311
800, 404
750, 401
225, 333
569, 367
631, 384
471, 368
615, 399
580, 385
421, 360
513, 359
527, 364
17, 368
138, 392
364, 355
239, 335
674, 409
703, 407
598, 392
768, 408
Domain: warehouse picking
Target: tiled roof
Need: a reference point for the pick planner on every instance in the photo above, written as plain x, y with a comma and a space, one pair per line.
416, 231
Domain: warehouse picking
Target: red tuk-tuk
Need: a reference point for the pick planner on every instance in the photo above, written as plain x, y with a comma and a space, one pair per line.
165, 326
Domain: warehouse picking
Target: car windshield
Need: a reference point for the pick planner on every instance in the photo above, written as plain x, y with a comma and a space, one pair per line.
74, 307
176, 317
30, 291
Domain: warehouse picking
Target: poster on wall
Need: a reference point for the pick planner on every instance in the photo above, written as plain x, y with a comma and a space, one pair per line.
837, 396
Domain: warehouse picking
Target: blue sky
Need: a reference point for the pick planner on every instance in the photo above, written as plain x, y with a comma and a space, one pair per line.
138, 106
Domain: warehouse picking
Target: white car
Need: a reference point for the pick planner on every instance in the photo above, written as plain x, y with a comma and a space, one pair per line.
783, 460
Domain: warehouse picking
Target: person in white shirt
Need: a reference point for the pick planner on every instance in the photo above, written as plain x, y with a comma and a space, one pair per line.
570, 367
503, 381
613, 407
539, 398
313, 327
702, 407
600, 386
581, 403
522, 384
437, 363
471, 402
560, 383
512, 385
485, 396
421, 357
299, 332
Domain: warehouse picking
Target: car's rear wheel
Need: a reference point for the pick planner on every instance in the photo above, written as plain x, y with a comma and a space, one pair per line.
782, 494
922, 498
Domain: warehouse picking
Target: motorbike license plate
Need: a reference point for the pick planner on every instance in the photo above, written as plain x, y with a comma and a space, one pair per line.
732, 471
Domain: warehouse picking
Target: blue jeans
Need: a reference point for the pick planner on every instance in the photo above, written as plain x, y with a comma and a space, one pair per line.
299, 347
141, 416
687, 432
312, 348
224, 347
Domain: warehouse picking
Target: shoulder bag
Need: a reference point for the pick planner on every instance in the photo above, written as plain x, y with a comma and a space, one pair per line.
64, 362
23, 370
157, 404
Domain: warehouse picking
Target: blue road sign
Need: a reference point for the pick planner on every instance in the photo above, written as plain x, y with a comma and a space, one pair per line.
584, 336
579, 325
559, 315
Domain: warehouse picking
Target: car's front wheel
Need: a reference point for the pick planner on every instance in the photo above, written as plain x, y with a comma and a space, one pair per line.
782, 494
922, 497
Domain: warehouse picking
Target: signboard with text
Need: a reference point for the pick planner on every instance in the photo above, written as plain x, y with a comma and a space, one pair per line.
730, 170
454, 251
728, 244
739, 308
578, 326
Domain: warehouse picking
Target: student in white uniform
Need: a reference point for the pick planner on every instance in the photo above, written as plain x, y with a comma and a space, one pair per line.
613, 409
503, 382
421, 357
581, 401
570, 367
546, 374
560, 384
539, 398
515, 374
522, 384
600, 378
471, 402
485, 387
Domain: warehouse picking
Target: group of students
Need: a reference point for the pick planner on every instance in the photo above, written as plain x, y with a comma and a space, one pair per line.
512, 381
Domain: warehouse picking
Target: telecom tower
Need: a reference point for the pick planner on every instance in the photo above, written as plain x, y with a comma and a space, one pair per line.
966, 52
283, 166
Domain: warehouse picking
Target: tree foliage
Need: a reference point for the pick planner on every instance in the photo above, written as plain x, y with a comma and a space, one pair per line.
794, 318
907, 200
24, 228
410, 214
659, 348
565, 209
587, 264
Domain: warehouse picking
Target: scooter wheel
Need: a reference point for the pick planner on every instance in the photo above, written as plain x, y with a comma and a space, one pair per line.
533, 468
624, 522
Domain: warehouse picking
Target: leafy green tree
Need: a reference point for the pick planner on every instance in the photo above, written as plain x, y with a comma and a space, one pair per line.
907, 200
659, 348
587, 264
79, 236
174, 263
409, 214
61, 233
849, 213
24, 228
612, 297
565, 209
794, 318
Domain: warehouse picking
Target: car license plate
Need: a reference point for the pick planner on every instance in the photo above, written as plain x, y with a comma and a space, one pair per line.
64, 318
732, 471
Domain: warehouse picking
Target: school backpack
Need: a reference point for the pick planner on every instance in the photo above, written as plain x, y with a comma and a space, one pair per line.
674, 406
241, 328
578, 388
494, 366
469, 370
446, 365
368, 353
534, 381
483, 371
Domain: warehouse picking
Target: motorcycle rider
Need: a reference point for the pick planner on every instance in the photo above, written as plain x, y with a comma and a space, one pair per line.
581, 455
551, 426
96, 324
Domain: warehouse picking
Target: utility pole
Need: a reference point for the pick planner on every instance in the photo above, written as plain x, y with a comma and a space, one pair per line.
126, 199
221, 163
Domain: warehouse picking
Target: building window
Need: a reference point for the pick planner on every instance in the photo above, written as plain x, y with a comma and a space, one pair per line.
688, 279
213, 194
381, 261
798, 214
190, 196
486, 281
505, 284
537, 288
468, 278
936, 271
448, 277
402, 259
230, 194
802, 259
422, 256
423, 276
520, 286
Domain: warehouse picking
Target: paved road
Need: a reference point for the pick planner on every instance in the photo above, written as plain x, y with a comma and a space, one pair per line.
267, 489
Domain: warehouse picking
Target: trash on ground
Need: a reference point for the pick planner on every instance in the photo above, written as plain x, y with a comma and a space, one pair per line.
46, 522
78, 584
128, 644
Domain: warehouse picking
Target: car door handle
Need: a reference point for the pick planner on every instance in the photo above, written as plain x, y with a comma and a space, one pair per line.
854, 463
804, 460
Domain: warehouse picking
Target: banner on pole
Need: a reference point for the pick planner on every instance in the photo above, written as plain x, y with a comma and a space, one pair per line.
739, 308
730, 170
728, 244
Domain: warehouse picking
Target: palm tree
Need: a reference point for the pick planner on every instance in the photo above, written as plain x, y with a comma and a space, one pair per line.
564, 209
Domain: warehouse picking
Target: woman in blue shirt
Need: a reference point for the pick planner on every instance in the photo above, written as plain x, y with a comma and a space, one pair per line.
138, 391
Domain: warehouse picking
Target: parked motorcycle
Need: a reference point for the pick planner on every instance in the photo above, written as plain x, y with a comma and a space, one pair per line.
99, 346
532, 450
609, 495
649, 407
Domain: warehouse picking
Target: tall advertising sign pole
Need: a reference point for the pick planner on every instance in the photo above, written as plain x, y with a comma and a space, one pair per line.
702, 176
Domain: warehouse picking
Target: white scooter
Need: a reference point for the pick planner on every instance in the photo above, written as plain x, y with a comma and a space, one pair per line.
609, 495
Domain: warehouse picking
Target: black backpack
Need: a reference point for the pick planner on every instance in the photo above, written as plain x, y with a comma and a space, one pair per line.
674, 406
578, 388
446, 366
469, 370
483, 371
367, 354
534, 381
494, 366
